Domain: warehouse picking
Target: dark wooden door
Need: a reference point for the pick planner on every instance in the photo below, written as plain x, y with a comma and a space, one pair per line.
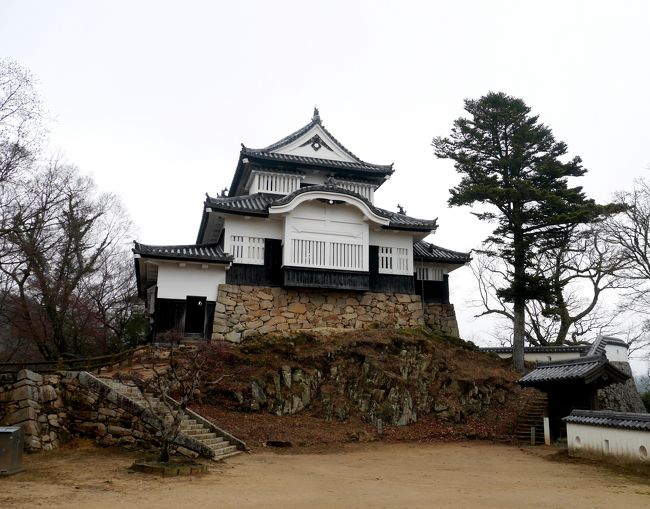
195, 315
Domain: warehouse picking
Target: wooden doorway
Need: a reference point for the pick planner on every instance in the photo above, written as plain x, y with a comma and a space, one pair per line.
195, 315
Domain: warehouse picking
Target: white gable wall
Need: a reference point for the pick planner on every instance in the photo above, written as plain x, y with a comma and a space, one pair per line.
326, 231
335, 154
177, 282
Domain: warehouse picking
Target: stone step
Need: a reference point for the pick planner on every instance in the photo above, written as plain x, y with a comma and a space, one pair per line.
188, 421
219, 445
201, 436
226, 451
212, 441
228, 455
190, 426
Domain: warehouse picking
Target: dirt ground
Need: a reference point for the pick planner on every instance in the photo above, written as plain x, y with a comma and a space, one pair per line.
458, 475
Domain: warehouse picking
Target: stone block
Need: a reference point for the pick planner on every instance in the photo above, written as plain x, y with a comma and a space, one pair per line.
25, 374
233, 337
366, 299
265, 329
266, 304
249, 333
24, 392
29, 402
219, 308
255, 324
414, 306
264, 296
30, 428
222, 299
92, 428
296, 307
118, 431
47, 393
23, 414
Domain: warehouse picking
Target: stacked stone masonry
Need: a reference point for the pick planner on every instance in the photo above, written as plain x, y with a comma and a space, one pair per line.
242, 311
53, 408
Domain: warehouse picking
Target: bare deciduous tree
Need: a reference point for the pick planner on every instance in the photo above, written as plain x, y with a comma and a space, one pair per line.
630, 232
59, 256
21, 114
577, 273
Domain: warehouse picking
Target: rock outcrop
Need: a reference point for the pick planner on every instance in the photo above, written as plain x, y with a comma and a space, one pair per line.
392, 376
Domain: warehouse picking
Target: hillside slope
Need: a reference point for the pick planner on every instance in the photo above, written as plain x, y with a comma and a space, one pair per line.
336, 385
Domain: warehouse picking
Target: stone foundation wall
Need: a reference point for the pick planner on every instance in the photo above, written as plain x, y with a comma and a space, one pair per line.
441, 317
242, 311
36, 404
53, 408
621, 397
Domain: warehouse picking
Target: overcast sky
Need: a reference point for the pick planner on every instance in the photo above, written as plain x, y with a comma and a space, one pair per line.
153, 98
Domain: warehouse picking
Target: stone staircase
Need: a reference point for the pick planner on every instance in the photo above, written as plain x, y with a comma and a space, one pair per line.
532, 416
192, 425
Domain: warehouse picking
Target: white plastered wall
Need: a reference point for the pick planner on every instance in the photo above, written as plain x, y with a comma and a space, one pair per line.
544, 357
301, 147
394, 239
262, 227
177, 282
313, 220
616, 353
625, 445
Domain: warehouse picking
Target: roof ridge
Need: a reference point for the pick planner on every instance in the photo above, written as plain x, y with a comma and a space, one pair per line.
315, 121
578, 360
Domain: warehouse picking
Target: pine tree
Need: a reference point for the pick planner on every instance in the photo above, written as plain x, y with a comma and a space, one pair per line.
511, 162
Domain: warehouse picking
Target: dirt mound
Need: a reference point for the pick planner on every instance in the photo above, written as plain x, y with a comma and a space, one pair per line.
324, 386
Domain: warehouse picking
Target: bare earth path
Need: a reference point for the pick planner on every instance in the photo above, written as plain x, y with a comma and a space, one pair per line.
454, 475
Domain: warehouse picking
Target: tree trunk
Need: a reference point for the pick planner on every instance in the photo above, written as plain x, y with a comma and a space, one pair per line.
519, 302
164, 452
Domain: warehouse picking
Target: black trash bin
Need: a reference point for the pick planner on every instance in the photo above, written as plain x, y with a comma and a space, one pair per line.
11, 450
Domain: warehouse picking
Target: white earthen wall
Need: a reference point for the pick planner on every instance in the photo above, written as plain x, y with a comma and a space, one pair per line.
175, 282
622, 445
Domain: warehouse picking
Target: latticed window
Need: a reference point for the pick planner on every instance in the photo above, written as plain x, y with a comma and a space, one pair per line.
326, 254
276, 183
247, 249
393, 260
427, 273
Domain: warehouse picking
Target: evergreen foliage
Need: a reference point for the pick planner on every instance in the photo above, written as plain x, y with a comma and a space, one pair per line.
511, 162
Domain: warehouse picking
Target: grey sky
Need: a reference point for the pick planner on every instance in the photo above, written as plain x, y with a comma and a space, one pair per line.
153, 98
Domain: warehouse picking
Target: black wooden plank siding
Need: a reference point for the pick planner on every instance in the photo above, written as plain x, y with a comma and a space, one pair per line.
387, 283
169, 316
433, 291
329, 279
269, 274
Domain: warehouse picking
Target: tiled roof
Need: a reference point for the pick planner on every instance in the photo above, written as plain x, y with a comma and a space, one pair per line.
252, 204
610, 419
258, 204
584, 368
538, 349
426, 252
287, 140
598, 346
330, 163
202, 252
